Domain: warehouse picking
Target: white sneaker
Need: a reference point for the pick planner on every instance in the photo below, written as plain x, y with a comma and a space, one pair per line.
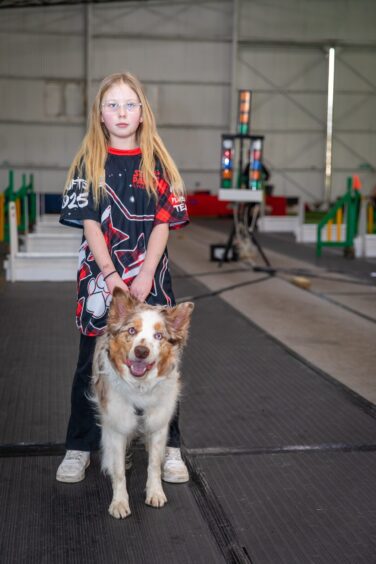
73, 467
174, 469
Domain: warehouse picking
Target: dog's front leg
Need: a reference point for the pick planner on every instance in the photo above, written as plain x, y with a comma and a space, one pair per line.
113, 462
155, 495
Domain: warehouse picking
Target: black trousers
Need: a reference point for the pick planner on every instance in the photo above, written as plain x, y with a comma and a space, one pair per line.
83, 431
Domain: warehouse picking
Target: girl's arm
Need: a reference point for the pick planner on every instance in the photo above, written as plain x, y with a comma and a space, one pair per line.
98, 247
142, 284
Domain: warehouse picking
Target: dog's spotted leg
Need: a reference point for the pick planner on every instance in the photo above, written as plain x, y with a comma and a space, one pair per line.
113, 462
155, 495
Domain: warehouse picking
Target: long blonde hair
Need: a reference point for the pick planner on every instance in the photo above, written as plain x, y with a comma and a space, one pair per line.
91, 156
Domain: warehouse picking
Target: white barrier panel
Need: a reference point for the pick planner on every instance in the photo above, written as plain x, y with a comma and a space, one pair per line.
50, 218
52, 242
32, 267
56, 228
278, 223
369, 246
234, 195
48, 266
307, 233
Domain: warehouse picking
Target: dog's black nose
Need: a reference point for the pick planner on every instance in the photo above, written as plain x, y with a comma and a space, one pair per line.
141, 352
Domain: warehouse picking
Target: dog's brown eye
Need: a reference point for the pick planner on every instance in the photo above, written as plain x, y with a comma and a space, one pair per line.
158, 336
132, 331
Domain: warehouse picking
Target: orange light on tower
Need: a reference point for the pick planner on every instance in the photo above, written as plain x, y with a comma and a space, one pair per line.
244, 112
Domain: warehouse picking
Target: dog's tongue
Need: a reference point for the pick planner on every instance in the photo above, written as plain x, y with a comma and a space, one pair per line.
138, 368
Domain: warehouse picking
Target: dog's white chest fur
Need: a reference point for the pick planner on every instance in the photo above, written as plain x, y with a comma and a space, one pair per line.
137, 406
136, 387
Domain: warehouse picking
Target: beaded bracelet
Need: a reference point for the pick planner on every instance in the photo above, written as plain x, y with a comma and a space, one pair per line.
110, 274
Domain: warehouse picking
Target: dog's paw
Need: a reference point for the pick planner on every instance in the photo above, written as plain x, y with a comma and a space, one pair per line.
119, 509
156, 498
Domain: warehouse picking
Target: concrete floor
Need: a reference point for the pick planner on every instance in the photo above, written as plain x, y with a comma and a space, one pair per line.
332, 324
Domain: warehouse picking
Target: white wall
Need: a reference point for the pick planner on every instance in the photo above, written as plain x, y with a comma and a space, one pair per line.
283, 57
355, 117
182, 51
289, 108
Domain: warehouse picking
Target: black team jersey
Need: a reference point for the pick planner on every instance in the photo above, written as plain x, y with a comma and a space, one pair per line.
127, 215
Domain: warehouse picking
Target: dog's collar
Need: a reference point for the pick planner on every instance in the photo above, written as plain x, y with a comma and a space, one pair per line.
138, 411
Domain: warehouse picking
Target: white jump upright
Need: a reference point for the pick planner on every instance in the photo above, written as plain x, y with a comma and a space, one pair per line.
364, 243
43, 265
278, 223
13, 240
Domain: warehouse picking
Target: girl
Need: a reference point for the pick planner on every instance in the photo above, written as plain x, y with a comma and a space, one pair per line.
124, 189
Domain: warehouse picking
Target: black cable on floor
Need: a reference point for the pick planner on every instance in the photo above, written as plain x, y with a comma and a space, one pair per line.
274, 272
329, 278
271, 270
221, 290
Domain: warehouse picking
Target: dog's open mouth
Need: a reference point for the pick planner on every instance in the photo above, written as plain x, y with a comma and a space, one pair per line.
138, 367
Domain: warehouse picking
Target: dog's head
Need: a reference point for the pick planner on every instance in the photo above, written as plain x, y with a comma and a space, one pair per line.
143, 338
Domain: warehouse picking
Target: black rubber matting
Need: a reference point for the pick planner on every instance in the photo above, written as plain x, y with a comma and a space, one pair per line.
38, 351
301, 508
44, 521
243, 389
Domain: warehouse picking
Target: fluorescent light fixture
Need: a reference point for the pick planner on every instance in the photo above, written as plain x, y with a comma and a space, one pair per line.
329, 126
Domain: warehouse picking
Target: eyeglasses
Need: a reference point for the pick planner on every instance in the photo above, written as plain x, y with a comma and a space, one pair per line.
113, 106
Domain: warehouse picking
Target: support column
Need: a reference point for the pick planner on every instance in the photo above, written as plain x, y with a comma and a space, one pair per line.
234, 64
88, 59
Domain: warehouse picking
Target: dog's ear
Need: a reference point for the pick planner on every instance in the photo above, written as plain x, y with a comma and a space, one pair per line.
122, 306
178, 320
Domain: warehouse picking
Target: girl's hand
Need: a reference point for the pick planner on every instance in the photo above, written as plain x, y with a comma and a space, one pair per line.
141, 286
115, 281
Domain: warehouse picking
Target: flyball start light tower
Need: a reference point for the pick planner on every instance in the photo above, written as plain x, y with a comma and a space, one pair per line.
235, 185
248, 181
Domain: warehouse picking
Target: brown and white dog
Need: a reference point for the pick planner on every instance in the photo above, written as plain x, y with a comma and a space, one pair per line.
136, 383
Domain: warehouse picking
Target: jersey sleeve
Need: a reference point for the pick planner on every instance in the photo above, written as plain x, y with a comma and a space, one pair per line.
170, 209
78, 204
